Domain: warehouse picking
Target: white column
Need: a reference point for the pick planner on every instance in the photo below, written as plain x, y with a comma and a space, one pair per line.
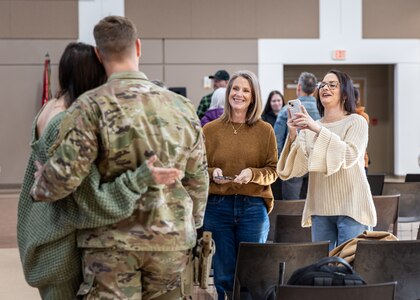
271, 77
406, 118
91, 11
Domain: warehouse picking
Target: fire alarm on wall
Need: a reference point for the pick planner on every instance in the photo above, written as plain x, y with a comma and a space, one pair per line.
339, 54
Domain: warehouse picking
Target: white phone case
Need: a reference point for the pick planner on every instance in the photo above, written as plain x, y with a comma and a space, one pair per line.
295, 107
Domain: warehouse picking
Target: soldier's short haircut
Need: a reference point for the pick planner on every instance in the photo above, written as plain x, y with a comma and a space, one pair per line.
308, 82
115, 36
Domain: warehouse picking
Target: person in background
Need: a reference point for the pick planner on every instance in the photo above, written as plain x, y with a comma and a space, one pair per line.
361, 111
46, 232
117, 127
216, 106
272, 107
220, 79
240, 195
339, 205
294, 188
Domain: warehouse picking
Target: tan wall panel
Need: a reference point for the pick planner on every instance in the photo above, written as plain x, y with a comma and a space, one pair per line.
4, 19
391, 19
21, 79
153, 72
287, 19
191, 77
44, 19
151, 51
30, 51
211, 51
224, 19
160, 18
20, 100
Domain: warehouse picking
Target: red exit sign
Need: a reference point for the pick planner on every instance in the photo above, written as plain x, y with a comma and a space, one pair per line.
339, 54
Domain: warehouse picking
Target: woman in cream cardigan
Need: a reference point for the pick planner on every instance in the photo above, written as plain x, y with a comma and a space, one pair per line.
339, 204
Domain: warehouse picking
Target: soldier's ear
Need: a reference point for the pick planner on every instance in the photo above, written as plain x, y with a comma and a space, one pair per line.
138, 48
98, 55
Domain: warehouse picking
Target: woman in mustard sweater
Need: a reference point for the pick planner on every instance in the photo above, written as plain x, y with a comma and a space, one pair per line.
242, 157
339, 203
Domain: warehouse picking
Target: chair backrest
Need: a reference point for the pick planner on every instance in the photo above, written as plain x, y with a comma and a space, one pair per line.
387, 212
409, 210
376, 183
289, 229
412, 177
384, 261
257, 266
381, 291
418, 233
286, 207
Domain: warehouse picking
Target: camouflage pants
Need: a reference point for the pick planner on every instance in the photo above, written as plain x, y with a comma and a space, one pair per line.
117, 274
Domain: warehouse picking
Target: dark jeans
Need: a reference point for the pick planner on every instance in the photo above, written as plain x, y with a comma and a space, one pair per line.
233, 219
291, 188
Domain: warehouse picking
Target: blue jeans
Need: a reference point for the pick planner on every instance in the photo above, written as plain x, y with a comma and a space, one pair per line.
336, 229
290, 189
233, 219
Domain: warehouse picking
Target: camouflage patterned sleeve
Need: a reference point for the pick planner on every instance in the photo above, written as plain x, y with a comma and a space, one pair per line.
196, 180
71, 156
107, 203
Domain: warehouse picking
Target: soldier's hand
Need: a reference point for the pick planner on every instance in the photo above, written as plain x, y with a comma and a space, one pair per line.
163, 175
39, 168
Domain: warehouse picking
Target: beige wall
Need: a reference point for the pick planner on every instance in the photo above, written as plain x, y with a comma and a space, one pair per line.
225, 19
37, 19
391, 19
28, 30
182, 43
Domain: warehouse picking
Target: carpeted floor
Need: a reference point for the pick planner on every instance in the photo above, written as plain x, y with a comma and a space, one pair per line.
12, 282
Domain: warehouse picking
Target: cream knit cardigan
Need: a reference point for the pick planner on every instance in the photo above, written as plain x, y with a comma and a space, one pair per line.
334, 159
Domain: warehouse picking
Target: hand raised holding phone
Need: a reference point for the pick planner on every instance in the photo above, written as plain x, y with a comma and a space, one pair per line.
294, 107
299, 118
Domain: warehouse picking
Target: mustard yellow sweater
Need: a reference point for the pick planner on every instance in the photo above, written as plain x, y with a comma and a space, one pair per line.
252, 147
335, 161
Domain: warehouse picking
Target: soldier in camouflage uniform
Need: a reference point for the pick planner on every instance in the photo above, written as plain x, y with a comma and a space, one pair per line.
117, 126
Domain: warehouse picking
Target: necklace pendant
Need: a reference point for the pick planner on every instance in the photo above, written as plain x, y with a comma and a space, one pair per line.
235, 132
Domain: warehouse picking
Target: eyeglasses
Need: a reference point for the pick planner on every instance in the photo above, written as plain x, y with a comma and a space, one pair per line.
332, 85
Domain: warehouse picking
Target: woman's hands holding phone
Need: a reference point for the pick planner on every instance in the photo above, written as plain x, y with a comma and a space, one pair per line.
244, 177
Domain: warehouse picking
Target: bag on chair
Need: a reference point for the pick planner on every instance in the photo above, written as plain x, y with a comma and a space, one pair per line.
327, 271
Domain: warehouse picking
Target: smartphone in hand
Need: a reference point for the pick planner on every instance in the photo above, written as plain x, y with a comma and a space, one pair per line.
295, 107
224, 177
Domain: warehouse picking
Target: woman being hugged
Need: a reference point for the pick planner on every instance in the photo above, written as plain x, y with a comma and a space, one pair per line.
339, 203
242, 157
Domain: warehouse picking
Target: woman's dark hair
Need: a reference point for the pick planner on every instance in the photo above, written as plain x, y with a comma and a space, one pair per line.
268, 107
79, 71
347, 97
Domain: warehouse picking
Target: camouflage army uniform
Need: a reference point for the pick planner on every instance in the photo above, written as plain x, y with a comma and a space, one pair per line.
116, 126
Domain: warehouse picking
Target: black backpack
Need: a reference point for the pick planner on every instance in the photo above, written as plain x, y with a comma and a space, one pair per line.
326, 272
